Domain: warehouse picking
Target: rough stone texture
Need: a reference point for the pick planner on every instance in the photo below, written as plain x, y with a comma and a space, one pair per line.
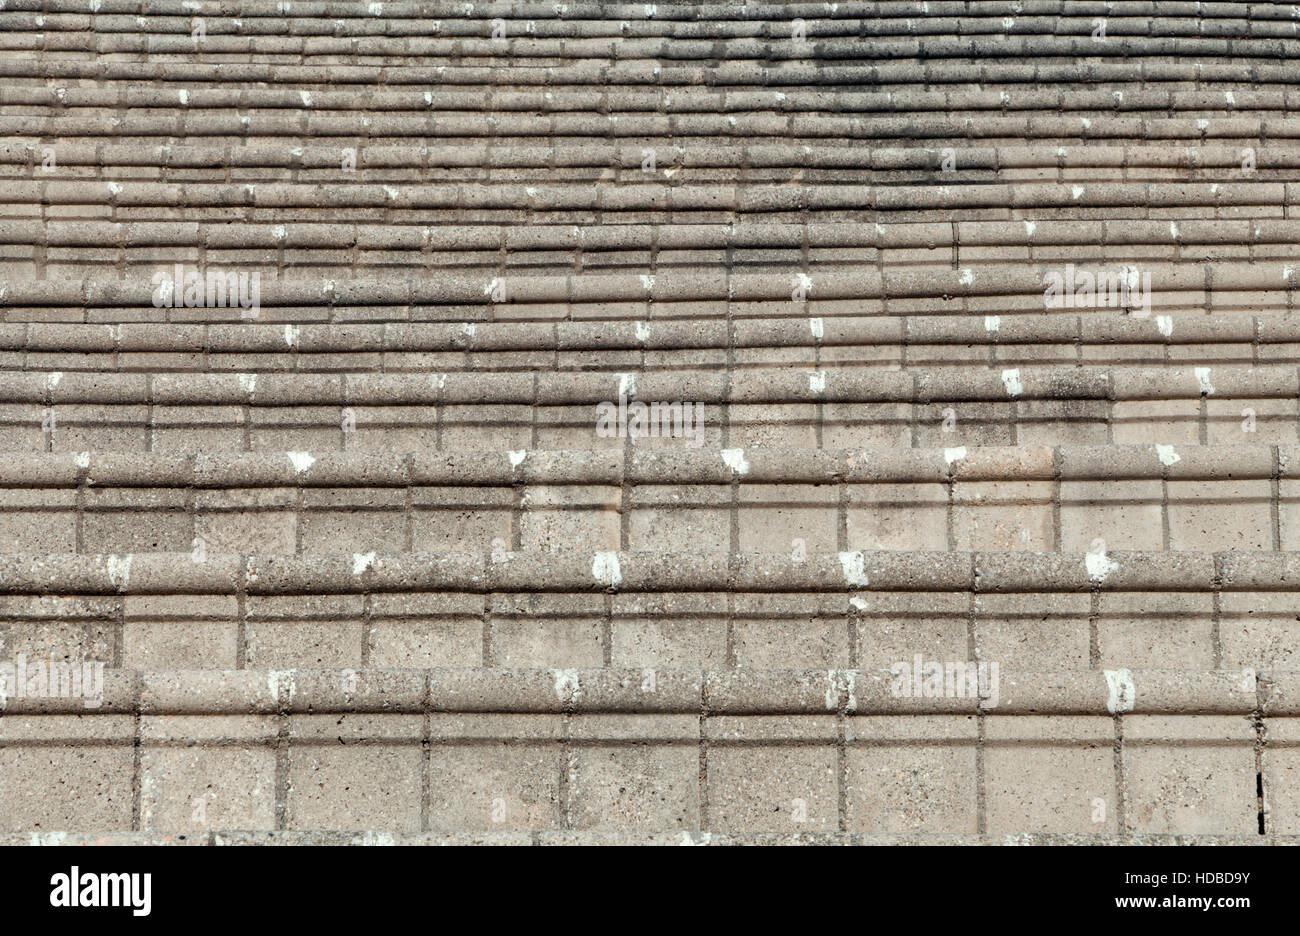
353, 526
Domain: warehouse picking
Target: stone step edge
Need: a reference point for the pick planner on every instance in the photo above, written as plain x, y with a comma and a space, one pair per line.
1029, 18
768, 385
609, 467
940, 10
673, 837
660, 691
452, 125
637, 196
1185, 232
720, 153
655, 334
1262, 42
849, 573
705, 100
643, 73
820, 35
795, 287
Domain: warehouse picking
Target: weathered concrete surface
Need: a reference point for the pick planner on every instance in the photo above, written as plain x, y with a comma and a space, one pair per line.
545, 424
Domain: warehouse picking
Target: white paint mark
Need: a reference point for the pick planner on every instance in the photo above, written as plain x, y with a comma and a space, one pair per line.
361, 562
1165, 323
52, 379
248, 382
858, 602
818, 327
1076, 191
951, 455
1167, 455
817, 381
1030, 227
1203, 380
1121, 693
184, 96
567, 688
735, 460
517, 457
605, 570
1173, 230
627, 385
278, 679
805, 283
301, 461
119, 571
642, 332
82, 460
114, 188
992, 323
1011, 380
647, 282
1099, 565
967, 277
306, 98
291, 335
854, 566
51, 838
468, 329
841, 681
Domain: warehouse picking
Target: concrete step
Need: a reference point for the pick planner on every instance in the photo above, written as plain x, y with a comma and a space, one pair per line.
1226, 615
639, 755
1031, 498
81, 412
